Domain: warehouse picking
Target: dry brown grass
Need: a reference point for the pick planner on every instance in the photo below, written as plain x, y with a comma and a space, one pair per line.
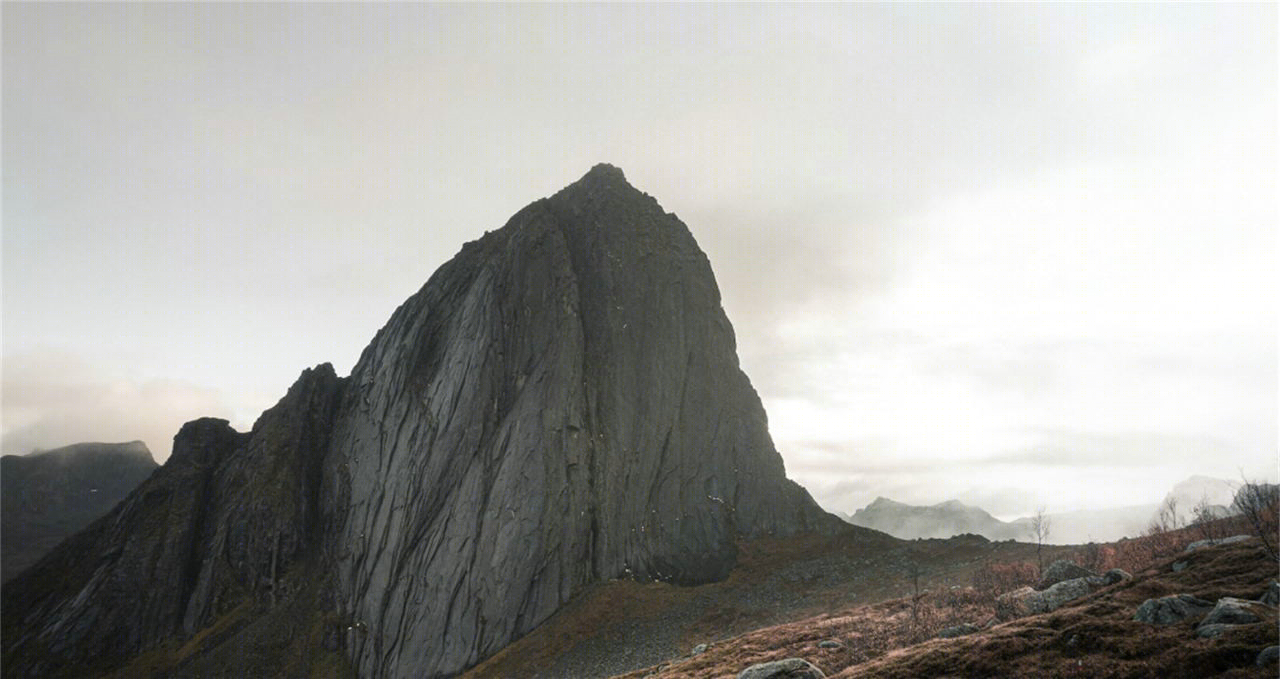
619, 617
1093, 637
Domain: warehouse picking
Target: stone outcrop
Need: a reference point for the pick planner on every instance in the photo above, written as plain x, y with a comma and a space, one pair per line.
1232, 611
1062, 570
1198, 544
963, 629
50, 495
791, 668
560, 404
1029, 601
1169, 610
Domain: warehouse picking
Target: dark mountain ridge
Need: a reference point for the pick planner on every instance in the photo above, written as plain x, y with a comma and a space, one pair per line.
49, 495
560, 404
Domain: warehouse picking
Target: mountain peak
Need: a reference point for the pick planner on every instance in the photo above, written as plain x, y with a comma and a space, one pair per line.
602, 185
605, 172
561, 404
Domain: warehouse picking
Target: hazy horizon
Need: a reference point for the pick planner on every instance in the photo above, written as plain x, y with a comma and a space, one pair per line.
968, 251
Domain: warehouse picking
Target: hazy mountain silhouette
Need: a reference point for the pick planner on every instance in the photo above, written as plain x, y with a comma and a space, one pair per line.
950, 518
49, 495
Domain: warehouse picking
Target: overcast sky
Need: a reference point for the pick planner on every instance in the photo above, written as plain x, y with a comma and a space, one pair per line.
1017, 255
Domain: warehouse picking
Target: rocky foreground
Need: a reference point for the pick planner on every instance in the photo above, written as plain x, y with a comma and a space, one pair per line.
1208, 612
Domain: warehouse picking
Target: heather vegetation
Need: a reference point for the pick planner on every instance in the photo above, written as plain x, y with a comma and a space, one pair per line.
951, 628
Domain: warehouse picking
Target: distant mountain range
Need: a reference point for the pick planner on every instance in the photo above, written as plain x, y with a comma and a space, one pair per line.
942, 520
952, 517
50, 495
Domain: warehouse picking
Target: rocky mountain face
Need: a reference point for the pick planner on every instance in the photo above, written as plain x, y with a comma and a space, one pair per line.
942, 520
49, 495
560, 404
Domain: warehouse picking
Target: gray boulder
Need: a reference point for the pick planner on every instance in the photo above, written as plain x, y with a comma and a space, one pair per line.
1179, 566
1268, 656
699, 649
830, 643
1027, 601
1061, 570
1111, 577
1213, 631
1231, 611
791, 668
1210, 543
958, 631
1169, 610
1013, 604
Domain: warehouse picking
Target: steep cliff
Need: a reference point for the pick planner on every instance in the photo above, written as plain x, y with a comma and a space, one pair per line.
561, 403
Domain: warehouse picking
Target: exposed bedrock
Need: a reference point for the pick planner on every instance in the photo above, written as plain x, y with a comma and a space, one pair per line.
561, 403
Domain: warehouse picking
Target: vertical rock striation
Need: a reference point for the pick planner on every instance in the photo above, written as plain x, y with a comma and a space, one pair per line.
561, 403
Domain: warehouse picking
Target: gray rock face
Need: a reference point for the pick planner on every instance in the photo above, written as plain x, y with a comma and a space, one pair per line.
1111, 577
958, 631
1214, 630
1231, 611
1269, 656
122, 584
1027, 601
1062, 570
791, 668
224, 517
561, 403
1210, 543
1013, 604
49, 496
1171, 609
1115, 575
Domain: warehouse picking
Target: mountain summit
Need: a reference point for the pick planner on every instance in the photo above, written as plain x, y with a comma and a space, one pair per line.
560, 404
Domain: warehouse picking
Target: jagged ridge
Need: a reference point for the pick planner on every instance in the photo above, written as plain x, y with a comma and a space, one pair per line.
561, 403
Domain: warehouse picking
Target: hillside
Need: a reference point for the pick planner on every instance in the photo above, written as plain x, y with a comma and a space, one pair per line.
1093, 636
622, 626
50, 495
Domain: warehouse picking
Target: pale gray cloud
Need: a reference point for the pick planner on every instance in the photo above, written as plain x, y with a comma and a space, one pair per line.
55, 398
965, 248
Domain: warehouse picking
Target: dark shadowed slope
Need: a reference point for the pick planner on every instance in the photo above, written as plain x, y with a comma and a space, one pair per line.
52, 494
560, 404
